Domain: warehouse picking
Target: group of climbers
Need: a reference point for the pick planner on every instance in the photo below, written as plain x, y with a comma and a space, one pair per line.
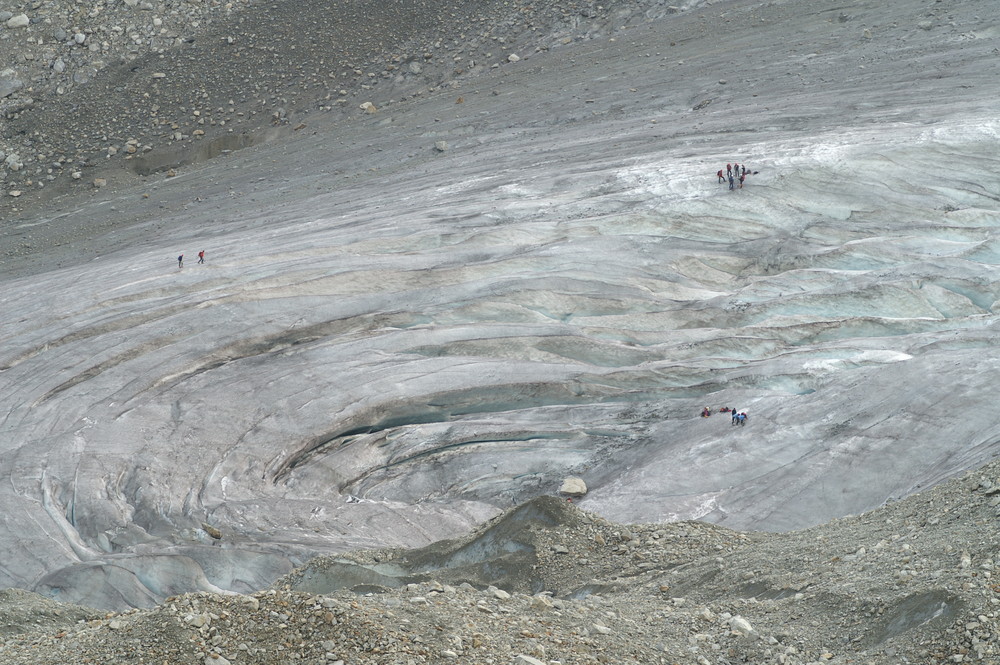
734, 173
739, 417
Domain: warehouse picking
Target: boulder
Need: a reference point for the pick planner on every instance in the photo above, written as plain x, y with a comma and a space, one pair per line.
573, 486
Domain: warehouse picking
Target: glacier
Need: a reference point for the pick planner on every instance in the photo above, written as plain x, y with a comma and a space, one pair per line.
389, 344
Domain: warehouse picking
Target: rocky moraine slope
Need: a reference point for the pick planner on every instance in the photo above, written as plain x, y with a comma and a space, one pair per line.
913, 582
107, 92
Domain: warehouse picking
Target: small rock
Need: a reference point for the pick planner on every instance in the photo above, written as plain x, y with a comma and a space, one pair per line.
19, 21
441, 146
740, 625
600, 629
83, 75
100, 182
528, 660
211, 531
500, 594
513, 57
925, 25
8, 86
368, 107
541, 602
198, 620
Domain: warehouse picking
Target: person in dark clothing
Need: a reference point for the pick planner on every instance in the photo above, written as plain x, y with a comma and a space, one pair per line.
735, 415
180, 261
730, 181
729, 169
743, 177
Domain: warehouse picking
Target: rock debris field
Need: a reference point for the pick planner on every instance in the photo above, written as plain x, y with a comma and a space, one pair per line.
469, 282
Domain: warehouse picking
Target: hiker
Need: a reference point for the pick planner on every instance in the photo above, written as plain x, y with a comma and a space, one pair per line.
742, 418
735, 416
721, 179
729, 169
706, 412
180, 261
730, 181
201, 256
744, 168
742, 178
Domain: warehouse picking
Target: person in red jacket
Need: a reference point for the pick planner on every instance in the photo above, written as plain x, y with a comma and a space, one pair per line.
201, 256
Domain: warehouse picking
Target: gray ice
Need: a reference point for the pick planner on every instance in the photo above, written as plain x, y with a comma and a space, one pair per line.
388, 345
